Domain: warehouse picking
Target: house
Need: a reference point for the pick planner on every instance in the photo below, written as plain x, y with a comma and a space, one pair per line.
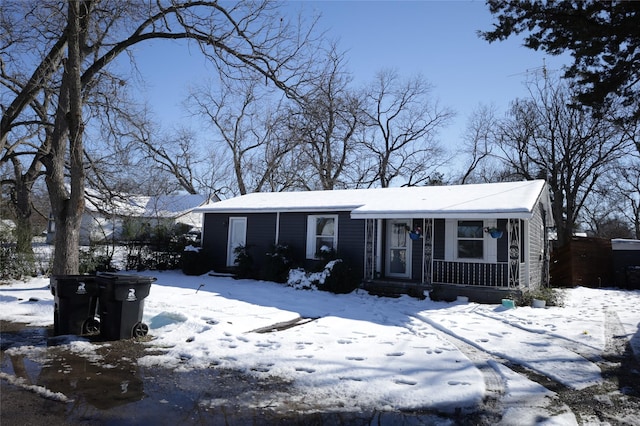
122, 214
483, 241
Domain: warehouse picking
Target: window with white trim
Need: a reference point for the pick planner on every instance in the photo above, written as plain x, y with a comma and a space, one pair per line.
470, 239
322, 234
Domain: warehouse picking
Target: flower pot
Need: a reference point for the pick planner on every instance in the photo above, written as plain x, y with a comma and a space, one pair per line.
495, 234
414, 235
538, 303
508, 303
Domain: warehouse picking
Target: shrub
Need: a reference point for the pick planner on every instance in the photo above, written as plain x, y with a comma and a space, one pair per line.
244, 262
91, 261
12, 263
15, 265
341, 278
553, 297
336, 277
277, 264
194, 261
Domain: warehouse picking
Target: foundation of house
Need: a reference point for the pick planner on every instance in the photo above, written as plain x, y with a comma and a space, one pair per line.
395, 288
478, 294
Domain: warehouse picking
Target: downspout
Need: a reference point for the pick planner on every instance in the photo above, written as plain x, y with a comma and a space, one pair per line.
424, 242
277, 238
379, 247
526, 244
432, 242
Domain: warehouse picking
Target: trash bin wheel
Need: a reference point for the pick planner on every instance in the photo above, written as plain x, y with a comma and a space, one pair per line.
91, 326
140, 329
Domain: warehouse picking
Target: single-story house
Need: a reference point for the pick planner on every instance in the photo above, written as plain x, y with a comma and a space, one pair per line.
112, 219
483, 241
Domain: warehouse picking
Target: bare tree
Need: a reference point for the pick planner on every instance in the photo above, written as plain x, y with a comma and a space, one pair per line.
79, 39
614, 209
544, 137
324, 123
247, 123
404, 121
478, 145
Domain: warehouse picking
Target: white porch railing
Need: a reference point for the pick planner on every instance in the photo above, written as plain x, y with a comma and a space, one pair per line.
467, 273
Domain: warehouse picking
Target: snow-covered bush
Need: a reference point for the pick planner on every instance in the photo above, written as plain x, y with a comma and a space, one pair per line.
336, 277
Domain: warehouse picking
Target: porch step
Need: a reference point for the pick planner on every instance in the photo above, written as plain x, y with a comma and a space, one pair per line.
387, 288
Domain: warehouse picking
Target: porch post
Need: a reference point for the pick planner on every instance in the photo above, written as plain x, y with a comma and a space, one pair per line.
427, 250
514, 253
369, 243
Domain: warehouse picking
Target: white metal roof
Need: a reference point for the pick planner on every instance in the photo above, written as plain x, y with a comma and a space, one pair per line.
490, 200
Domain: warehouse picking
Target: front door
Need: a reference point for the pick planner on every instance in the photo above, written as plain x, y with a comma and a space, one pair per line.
398, 254
237, 237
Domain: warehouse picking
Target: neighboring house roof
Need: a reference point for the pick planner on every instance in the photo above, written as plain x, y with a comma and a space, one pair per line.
162, 206
491, 200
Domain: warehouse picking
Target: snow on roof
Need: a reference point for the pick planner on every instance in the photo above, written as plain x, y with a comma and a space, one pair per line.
625, 244
167, 206
504, 200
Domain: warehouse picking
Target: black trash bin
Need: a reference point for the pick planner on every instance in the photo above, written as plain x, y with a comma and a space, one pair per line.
121, 305
75, 302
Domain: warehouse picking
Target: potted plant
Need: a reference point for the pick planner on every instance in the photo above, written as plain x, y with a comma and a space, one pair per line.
494, 232
415, 234
538, 303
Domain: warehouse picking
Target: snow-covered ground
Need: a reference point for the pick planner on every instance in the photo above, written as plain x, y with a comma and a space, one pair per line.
361, 351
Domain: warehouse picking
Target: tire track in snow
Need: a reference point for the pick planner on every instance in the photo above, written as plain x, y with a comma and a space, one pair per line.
590, 352
500, 404
537, 352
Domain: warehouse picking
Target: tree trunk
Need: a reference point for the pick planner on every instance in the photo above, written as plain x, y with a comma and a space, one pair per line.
21, 206
23, 211
68, 205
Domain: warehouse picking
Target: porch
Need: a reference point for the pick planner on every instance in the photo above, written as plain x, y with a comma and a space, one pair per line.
429, 268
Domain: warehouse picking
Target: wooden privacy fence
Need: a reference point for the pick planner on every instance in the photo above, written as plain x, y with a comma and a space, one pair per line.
583, 262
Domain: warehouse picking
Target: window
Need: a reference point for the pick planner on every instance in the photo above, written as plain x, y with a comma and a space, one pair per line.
322, 234
470, 239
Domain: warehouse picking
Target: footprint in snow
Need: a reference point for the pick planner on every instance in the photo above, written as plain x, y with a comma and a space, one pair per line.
356, 358
395, 354
482, 340
306, 369
262, 368
355, 379
405, 382
456, 383
345, 342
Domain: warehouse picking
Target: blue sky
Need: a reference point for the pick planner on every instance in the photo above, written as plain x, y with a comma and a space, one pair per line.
435, 38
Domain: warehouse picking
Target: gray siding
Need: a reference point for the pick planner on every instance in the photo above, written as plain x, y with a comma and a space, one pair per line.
261, 235
261, 229
214, 239
503, 243
351, 241
438, 238
537, 253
